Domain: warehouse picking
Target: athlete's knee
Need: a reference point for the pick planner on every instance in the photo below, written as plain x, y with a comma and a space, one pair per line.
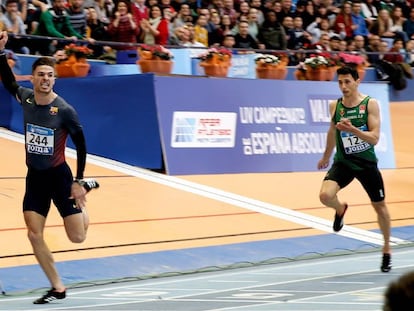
77, 237
34, 237
326, 197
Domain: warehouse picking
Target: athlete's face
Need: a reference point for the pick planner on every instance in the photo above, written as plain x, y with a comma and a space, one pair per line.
347, 85
43, 79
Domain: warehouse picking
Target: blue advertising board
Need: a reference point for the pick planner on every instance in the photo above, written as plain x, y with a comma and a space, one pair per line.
216, 126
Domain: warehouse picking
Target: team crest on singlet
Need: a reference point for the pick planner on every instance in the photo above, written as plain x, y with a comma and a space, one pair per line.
53, 110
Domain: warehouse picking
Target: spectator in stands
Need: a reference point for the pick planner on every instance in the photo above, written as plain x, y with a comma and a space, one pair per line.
243, 39
299, 38
54, 22
243, 10
399, 295
408, 26
155, 30
334, 43
228, 9
396, 52
321, 26
77, 16
397, 23
257, 4
139, 10
409, 48
382, 27
183, 15
288, 9
310, 13
104, 9
14, 25
373, 48
215, 37
200, 31
343, 21
226, 25
358, 21
359, 42
123, 27
369, 12
272, 34
96, 30
228, 42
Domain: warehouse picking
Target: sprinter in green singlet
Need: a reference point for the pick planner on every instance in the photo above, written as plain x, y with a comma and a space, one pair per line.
354, 131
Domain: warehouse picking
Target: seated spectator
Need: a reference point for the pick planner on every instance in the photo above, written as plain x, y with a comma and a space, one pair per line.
272, 34
398, 20
343, 21
243, 39
369, 12
215, 36
408, 26
373, 48
382, 27
229, 42
359, 25
123, 27
54, 22
96, 30
77, 16
200, 30
14, 25
155, 30
321, 26
395, 54
409, 48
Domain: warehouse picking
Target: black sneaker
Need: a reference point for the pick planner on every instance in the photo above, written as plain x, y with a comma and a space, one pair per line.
50, 296
339, 220
386, 263
89, 184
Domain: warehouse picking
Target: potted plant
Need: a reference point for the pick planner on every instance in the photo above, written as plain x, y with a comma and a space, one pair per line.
270, 66
316, 67
76, 64
216, 61
155, 58
354, 60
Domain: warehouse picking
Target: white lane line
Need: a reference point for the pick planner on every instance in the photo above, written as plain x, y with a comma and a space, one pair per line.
225, 197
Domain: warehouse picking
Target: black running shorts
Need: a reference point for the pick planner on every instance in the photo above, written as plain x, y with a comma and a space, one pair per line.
369, 176
43, 186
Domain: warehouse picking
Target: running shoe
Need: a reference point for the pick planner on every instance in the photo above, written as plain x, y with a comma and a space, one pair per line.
339, 220
51, 295
89, 184
386, 263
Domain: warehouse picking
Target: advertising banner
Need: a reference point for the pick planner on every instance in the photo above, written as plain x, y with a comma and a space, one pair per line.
214, 126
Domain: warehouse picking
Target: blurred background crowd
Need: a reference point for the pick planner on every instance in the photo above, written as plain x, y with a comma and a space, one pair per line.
371, 28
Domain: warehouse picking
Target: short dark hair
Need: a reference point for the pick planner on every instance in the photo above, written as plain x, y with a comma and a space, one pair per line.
400, 293
43, 61
345, 70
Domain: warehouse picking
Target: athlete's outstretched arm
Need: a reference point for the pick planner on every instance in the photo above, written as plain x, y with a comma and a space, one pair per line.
7, 76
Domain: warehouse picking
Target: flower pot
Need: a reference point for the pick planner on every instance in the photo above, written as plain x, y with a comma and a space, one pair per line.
330, 73
271, 72
215, 70
68, 69
155, 66
300, 74
317, 74
81, 69
361, 73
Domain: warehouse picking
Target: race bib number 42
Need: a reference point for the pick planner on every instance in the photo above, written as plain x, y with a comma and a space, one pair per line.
39, 140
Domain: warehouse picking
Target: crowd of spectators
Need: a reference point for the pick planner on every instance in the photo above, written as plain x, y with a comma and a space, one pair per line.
372, 28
